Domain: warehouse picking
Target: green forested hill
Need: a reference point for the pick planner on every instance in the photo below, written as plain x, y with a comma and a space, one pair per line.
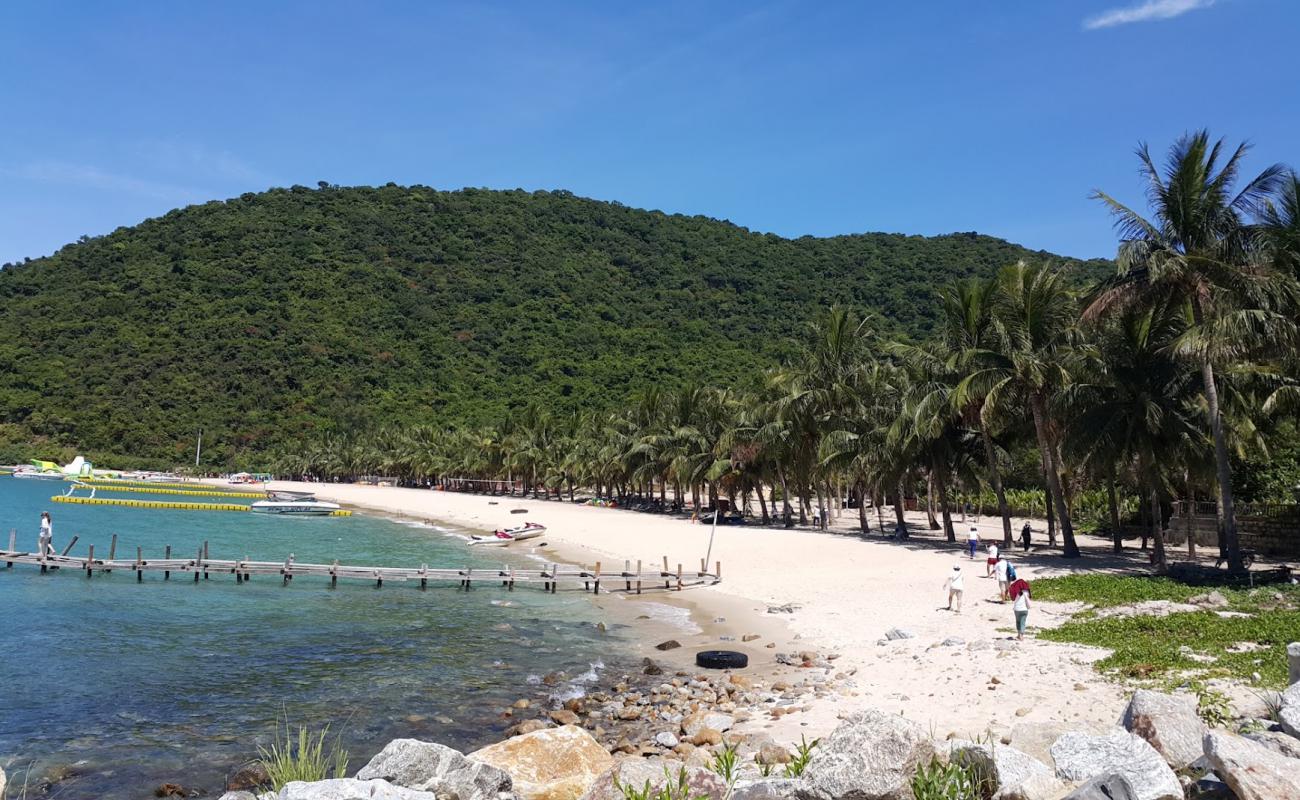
278, 315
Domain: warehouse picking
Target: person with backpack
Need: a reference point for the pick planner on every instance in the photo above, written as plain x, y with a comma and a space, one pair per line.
1019, 591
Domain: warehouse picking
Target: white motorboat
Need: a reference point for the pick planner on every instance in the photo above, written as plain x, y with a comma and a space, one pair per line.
35, 474
301, 503
505, 536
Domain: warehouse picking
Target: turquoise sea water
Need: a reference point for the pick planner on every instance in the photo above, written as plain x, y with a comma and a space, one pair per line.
130, 685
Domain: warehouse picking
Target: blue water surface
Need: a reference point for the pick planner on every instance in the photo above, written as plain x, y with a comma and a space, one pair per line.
123, 686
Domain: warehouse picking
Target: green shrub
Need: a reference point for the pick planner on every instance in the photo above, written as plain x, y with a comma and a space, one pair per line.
950, 780
677, 788
802, 755
303, 757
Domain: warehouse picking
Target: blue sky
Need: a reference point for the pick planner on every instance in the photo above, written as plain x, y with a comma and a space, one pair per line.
796, 118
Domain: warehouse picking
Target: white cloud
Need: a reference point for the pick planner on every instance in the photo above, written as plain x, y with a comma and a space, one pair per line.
92, 177
196, 159
1144, 12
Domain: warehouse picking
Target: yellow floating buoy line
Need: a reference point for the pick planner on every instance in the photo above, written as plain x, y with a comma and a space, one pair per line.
154, 489
121, 501
106, 482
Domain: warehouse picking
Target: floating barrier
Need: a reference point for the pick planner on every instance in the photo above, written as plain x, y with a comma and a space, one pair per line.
106, 482
153, 489
184, 506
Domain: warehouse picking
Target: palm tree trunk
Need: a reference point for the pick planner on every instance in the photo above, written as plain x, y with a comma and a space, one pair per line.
762, 505
1188, 511
995, 477
1223, 469
900, 522
1157, 535
929, 500
1054, 478
862, 507
878, 501
1117, 530
785, 496
941, 488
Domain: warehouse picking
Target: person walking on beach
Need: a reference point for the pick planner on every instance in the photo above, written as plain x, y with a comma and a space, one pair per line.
955, 587
1025, 534
992, 561
1001, 570
47, 534
973, 541
1019, 592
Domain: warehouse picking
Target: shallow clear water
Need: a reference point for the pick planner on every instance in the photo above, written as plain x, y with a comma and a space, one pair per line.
135, 684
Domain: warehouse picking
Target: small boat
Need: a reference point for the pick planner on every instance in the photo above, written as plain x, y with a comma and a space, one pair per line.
304, 503
38, 474
505, 536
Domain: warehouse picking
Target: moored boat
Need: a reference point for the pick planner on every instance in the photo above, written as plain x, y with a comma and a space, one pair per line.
505, 536
298, 503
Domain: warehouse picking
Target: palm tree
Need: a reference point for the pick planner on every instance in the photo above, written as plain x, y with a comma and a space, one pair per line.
1196, 247
1026, 363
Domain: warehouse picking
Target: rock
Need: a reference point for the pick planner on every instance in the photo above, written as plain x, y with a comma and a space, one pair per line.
350, 789
1290, 714
666, 739
1251, 770
700, 720
564, 717
788, 608
240, 795
1213, 599
1280, 743
551, 764
706, 736
1035, 787
764, 789
527, 726
1112, 786
170, 790
252, 775
894, 634
1036, 738
1169, 724
635, 773
871, 754
1293, 663
953, 641
649, 667
1082, 756
671, 644
2, 783
1006, 766
750, 637
435, 768
772, 753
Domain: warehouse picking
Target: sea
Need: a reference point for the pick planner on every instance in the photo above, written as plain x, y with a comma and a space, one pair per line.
110, 688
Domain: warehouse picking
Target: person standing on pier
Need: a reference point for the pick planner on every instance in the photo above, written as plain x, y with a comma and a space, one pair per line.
47, 534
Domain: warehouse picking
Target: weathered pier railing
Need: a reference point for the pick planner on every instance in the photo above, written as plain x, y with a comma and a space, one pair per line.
551, 578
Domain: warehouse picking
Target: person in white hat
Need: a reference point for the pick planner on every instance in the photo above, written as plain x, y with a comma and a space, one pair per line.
955, 586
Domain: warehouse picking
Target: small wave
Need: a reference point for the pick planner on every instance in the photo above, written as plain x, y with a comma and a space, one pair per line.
578, 686
679, 618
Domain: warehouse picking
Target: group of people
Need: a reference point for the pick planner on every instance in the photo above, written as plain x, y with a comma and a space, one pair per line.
1010, 586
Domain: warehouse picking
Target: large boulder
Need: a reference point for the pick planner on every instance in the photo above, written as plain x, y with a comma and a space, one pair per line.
1293, 663
552, 764
1276, 741
1290, 714
435, 768
707, 720
1169, 724
1105, 787
239, 794
2, 783
1083, 756
1005, 766
1035, 739
870, 756
764, 789
636, 773
1035, 787
350, 789
1250, 769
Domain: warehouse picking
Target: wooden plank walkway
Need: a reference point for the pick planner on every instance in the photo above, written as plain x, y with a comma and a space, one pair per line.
551, 578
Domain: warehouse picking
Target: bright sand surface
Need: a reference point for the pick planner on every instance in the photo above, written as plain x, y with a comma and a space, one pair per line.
850, 590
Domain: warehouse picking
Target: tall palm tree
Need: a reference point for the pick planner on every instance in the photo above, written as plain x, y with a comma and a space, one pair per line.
1196, 246
1027, 362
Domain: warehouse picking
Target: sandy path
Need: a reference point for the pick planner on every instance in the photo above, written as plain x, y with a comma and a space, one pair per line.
851, 591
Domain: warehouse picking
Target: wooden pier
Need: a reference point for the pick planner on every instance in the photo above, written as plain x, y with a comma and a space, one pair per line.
551, 578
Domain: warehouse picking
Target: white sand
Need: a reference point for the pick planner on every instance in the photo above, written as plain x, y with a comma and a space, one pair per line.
851, 591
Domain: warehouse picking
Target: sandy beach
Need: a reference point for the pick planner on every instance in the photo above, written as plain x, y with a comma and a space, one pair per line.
848, 591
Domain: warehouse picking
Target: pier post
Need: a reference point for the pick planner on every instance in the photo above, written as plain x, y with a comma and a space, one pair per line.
596, 583
13, 545
511, 587
638, 576
167, 555
90, 562
424, 576
379, 579
285, 570
205, 559
248, 576
665, 573
139, 564
679, 577
555, 577
198, 563
71, 545
334, 574
627, 576
703, 569
467, 573
112, 551
718, 572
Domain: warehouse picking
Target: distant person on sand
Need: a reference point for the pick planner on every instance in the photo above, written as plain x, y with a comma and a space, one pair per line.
47, 534
1020, 605
973, 541
1002, 570
955, 586
992, 560
1025, 534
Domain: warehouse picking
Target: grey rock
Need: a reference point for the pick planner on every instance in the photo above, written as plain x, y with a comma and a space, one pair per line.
350, 789
1006, 766
700, 720
1250, 769
871, 755
226, 796
1214, 599
1106, 787
1290, 715
952, 641
666, 739
1036, 738
1082, 757
1169, 724
894, 634
1035, 787
2, 783
702, 784
435, 768
1293, 663
764, 789
1279, 743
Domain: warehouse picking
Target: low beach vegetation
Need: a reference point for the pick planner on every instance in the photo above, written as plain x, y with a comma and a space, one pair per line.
301, 755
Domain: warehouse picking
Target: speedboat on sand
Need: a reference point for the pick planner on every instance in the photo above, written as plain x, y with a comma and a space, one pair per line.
505, 536
297, 503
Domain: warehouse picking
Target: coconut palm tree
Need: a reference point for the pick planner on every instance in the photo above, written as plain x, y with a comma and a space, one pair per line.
1196, 247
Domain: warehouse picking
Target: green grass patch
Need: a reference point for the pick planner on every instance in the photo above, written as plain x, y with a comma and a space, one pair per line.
1149, 647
